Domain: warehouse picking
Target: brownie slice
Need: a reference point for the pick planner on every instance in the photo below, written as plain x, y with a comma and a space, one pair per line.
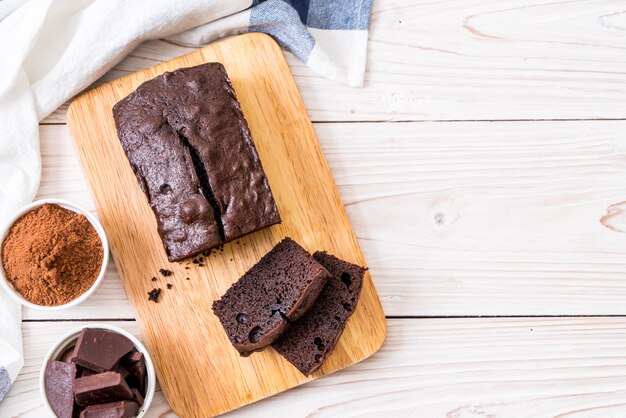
311, 340
280, 288
192, 152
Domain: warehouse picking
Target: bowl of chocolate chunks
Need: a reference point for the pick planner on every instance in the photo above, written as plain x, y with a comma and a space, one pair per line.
97, 371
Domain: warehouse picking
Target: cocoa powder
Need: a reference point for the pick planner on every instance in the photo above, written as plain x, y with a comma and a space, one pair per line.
52, 255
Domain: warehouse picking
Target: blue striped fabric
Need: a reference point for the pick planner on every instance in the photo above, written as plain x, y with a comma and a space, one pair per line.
5, 382
288, 20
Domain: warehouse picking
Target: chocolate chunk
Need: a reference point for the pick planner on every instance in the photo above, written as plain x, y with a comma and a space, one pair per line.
101, 388
131, 358
100, 350
137, 396
59, 377
194, 209
136, 364
122, 409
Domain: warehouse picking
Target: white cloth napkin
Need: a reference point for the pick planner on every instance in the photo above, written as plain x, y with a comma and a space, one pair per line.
11, 359
50, 50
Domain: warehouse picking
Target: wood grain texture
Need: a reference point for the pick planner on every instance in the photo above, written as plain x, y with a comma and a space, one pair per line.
482, 218
199, 370
455, 368
460, 60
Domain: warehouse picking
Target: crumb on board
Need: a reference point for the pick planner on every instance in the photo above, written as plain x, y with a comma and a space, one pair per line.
154, 294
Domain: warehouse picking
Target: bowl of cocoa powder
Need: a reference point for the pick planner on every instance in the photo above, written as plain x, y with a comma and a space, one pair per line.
53, 255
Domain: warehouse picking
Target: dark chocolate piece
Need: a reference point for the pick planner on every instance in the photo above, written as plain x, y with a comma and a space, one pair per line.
136, 364
137, 397
193, 155
281, 287
100, 350
311, 340
82, 372
154, 294
59, 377
101, 388
130, 358
123, 409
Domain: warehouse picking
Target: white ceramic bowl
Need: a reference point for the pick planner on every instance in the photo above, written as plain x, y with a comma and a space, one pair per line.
4, 229
70, 338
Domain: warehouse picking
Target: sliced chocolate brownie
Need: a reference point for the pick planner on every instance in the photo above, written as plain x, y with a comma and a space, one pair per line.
280, 288
191, 150
311, 339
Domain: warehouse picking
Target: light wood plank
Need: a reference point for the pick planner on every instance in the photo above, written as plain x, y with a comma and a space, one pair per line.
464, 60
459, 218
572, 367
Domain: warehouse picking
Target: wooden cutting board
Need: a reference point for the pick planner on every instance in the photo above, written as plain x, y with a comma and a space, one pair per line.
200, 372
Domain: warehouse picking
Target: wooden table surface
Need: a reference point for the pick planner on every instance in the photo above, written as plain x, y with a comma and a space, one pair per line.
483, 167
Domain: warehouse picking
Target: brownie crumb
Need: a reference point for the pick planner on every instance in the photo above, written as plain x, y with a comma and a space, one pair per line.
200, 265
186, 268
154, 279
195, 261
165, 273
231, 259
154, 294
169, 286
187, 278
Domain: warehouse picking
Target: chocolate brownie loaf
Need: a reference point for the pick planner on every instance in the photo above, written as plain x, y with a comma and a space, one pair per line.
191, 149
280, 288
311, 340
